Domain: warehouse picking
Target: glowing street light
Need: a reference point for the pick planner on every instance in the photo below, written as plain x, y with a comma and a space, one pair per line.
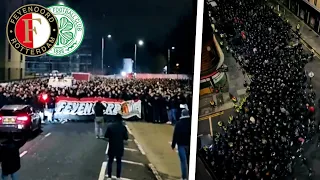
140, 42
173, 48
109, 36
177, 64
60, 3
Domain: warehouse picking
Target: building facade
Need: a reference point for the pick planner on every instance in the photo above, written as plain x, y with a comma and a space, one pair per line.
12, 65
211, 60
306, 10
79, 61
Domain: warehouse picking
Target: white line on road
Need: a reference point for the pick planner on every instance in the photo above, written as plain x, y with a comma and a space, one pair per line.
103, 171
122, 178
130, 162
139, 147
130, 149
128, 130
47, 135
154, 171
23, 153
107, 148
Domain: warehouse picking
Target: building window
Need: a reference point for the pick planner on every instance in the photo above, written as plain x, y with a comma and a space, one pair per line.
9, 52
315, 2
21, 71
21, 57
9, 73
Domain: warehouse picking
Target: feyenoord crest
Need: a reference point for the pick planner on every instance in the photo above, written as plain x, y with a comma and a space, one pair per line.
71, 31
32, 30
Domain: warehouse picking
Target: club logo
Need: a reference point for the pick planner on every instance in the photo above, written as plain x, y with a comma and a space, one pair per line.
71, 31
32, 30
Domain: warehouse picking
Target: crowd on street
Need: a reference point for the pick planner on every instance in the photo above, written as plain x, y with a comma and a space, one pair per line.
272, 125
160, 98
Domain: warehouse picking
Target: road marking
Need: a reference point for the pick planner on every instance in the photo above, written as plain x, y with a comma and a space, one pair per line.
23, 153
154, 171
130, 162
210, 126
130, 149
128, 130
139, 147
211, 116
107, 148
47, 135
103, 171
122, 178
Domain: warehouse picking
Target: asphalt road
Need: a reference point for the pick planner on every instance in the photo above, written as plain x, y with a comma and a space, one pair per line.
70, 151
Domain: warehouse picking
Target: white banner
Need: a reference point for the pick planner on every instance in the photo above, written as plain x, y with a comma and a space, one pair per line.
85, 107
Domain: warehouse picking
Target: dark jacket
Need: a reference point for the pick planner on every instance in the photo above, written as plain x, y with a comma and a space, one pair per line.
116, 133
98, 109
10, 156
182, 132
51, 103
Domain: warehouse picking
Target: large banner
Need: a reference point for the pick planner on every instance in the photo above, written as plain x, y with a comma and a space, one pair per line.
83, 109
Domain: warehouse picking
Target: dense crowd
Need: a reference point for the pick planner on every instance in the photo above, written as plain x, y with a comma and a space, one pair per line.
265, 138
160, 97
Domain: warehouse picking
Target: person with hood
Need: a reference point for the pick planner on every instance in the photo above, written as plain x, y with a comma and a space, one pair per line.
181, 137
116, 134
10, 157
99, 108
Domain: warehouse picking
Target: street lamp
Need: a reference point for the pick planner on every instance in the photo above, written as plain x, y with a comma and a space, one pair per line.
177, 64
140, 43
102, 51
61, 3
169, 53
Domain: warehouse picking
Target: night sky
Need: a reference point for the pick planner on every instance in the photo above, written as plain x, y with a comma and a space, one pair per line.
160, 24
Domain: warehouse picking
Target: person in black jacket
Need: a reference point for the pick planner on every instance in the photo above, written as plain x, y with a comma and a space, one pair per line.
181, 137
10, 157
99, 108
116, 134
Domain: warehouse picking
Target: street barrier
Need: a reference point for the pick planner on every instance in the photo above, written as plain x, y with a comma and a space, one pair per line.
83, 108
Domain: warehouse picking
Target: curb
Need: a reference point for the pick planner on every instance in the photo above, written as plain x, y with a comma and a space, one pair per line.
154, 171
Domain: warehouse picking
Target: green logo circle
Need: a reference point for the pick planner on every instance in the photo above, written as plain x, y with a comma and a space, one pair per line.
71, 31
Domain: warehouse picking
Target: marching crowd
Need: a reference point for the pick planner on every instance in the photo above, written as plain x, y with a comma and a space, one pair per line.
160, 97
265, 139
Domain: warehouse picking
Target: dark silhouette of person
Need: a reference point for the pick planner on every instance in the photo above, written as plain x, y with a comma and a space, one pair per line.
10, 156
116, 134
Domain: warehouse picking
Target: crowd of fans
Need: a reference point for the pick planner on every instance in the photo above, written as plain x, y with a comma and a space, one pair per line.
266, 137
160, 97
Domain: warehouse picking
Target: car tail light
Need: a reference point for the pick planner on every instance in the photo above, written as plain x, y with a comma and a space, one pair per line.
22, 118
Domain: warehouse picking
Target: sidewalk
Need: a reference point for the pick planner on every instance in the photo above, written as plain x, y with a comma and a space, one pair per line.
308, 35
235, 84
155, 140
